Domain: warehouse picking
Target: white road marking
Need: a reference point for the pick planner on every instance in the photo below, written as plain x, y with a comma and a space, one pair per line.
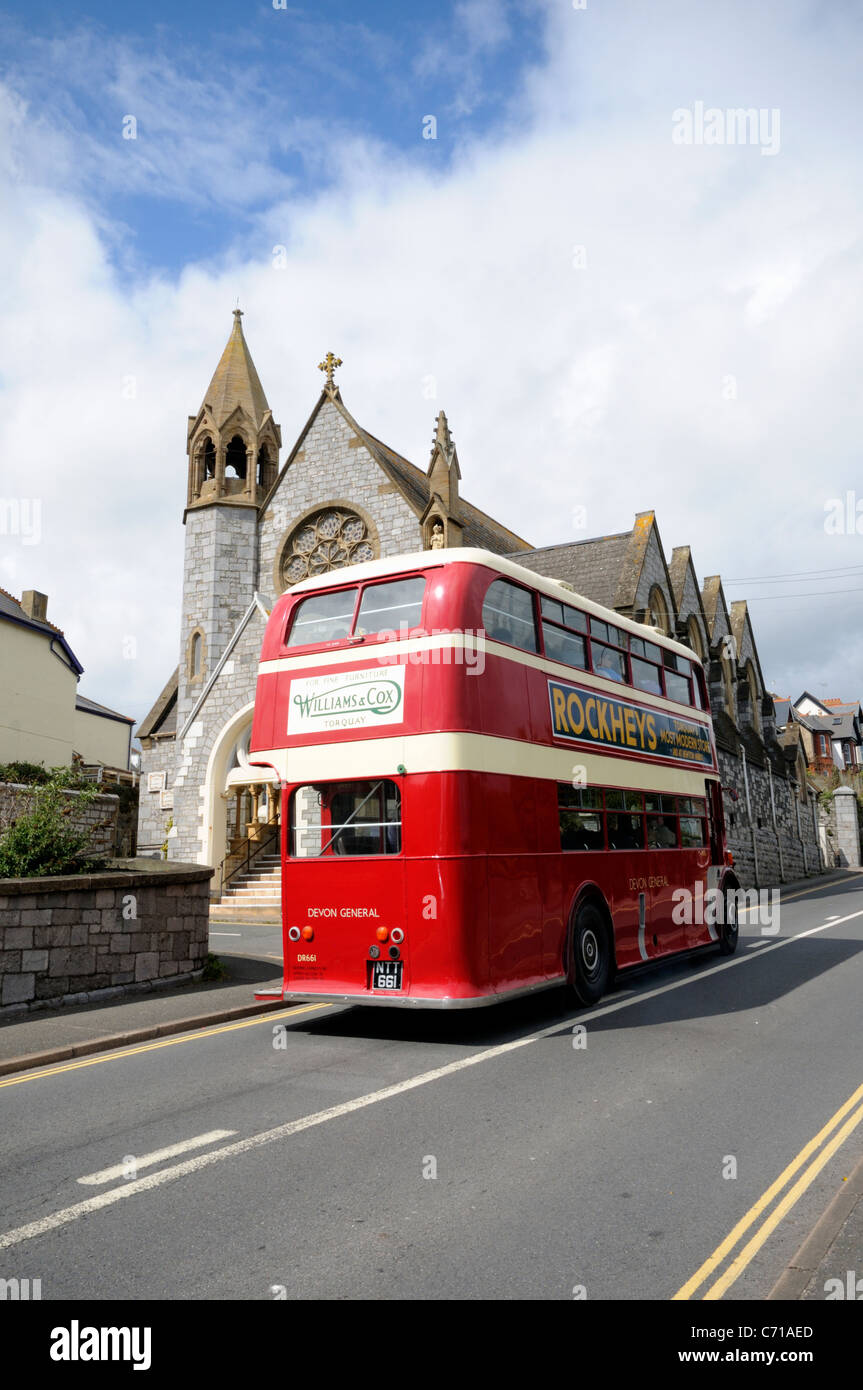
147, 1160
226, 933
335, 1112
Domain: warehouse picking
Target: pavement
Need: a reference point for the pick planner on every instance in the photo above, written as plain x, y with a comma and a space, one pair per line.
829, 1263
50, 1036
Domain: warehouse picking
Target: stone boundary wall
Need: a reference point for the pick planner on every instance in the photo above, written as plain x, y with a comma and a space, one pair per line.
771, 831
72, 939
16, 800
840, 829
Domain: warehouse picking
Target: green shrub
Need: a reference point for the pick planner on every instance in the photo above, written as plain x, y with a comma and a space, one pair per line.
214, 968
24, 774
42, 840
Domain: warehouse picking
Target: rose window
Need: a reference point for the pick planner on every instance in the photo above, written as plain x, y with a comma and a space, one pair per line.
327, 541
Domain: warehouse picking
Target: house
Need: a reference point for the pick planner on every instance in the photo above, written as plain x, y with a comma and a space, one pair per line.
43, 719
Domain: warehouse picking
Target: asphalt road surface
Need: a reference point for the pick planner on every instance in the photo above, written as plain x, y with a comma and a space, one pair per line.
381, 1154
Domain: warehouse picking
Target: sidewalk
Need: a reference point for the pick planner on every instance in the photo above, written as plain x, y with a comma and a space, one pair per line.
833, 1251
51, 1036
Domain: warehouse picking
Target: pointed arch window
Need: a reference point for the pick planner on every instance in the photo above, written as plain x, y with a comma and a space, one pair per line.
263, 476
235, 459
657, 610
196, 657
208, 457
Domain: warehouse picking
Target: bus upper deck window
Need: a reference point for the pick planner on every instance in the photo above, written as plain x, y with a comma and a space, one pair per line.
324, 617
507, 615
395, 607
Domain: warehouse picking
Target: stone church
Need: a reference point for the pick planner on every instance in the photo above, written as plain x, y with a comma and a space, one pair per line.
253, 528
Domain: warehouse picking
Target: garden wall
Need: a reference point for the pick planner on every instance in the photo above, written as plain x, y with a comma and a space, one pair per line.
76, 938
100, 817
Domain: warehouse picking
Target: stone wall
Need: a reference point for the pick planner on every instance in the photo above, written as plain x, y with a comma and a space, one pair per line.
153, 817
770, 823
840, 829
73, 939
100, 816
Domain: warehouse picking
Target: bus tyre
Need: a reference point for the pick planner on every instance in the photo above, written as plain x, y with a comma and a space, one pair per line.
589, 955
729, 930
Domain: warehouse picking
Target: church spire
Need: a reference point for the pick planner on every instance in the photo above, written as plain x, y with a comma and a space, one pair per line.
233, 442
235, 381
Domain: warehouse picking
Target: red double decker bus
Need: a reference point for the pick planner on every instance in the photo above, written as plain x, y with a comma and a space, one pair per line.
490, 785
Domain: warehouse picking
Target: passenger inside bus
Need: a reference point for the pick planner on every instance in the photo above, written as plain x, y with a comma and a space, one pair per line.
625, 832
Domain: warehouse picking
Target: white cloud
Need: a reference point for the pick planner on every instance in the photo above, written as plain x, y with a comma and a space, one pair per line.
599, 386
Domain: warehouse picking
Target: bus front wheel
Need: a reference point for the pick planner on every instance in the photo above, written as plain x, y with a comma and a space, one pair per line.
589, 968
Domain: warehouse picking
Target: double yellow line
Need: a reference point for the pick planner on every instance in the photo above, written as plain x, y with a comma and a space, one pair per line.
780, 1211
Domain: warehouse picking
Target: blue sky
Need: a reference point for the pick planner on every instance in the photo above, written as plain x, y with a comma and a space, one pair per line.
613, 319
260, 96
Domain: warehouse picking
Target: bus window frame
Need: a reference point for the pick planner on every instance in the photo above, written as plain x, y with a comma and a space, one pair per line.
388, 635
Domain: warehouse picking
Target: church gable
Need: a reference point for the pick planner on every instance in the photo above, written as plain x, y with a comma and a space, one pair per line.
691, 622
302, 531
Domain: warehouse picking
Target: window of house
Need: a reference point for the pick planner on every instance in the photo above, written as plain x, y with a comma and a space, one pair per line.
508, 616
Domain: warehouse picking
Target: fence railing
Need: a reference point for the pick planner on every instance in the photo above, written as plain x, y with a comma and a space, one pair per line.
244, 857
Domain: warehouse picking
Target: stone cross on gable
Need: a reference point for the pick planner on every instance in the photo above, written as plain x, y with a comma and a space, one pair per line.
329, 365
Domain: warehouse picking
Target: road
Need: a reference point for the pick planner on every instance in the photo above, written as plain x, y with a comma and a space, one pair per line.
503, 1160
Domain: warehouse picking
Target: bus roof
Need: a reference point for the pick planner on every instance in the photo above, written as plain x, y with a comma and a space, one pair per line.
467, 555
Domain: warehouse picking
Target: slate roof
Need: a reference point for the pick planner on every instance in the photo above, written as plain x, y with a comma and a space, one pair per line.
479, 529
162, 718
10, 608
91, 707
593, 567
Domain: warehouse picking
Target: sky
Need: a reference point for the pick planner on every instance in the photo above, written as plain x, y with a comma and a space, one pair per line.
540, 216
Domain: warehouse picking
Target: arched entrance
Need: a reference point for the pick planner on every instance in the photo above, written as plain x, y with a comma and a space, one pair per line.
241, 802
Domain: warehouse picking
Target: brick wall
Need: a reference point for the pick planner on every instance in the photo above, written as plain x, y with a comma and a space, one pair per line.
72, 939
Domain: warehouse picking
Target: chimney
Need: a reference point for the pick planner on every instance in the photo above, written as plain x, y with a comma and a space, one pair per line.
35, 605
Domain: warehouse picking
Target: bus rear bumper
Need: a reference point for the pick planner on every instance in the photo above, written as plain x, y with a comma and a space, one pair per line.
407, 1001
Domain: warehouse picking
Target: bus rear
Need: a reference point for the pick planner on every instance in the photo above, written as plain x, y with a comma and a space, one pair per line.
374, 894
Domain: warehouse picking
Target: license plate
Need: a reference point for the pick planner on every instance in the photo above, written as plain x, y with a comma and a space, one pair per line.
387, 974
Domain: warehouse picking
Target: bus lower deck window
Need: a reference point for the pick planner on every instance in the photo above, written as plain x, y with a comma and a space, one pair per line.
346, 818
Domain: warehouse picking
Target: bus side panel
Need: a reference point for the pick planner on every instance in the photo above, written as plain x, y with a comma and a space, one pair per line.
550, 875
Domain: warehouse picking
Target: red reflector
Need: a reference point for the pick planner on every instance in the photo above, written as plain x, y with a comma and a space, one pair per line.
309, 933
382, 934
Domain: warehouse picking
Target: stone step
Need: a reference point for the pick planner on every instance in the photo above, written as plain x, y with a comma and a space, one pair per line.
243, 894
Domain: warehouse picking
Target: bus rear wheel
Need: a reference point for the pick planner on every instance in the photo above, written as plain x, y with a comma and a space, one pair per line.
729, 930
589, 968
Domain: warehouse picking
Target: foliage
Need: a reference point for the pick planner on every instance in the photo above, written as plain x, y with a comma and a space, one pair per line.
42, 840
23, 774
214, 969
35, 775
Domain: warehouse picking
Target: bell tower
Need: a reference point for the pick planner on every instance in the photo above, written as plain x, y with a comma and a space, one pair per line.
233, 442
233, 447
